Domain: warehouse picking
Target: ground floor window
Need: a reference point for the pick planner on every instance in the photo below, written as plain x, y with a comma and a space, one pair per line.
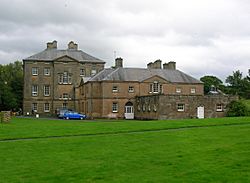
219, 107
46, 107
34, 107
65, 105
115, 107
180, 107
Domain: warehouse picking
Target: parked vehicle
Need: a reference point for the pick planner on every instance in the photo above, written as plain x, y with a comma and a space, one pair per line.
60, 112
74, 115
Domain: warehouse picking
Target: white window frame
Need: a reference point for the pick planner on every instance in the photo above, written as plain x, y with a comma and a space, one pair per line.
64, 78
193, 90
34, 71
131, 89
46, 71
82, 72
34, 107
219, 107
65, 96
34, 90
46, 90
155, 87
115, 107
46, 107
180, 107
115, 88
178, 90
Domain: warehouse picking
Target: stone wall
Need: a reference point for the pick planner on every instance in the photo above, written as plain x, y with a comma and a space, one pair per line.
5, 116
166, 106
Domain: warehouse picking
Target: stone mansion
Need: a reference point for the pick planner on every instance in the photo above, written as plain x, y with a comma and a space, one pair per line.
73, 79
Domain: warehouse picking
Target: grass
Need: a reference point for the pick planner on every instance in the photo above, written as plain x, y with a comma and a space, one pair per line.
209, 150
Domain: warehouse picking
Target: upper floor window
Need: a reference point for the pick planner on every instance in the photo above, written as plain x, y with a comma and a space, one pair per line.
46, 90
193, 90
34, 90
155, 87
178, 90
64, 78
130, 89
180, 107
34, 71
46, 71
219, 107
82, 72
115, 89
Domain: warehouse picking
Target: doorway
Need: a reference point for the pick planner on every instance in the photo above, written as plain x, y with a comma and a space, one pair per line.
129, 110
200, 112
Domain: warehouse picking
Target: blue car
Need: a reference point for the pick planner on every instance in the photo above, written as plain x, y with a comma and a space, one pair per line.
73, 115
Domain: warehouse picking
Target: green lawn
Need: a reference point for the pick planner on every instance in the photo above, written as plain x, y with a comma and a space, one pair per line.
209, 150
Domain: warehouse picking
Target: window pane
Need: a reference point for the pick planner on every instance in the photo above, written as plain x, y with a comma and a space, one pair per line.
46, 107
46, 71
115, 107
34, 71
46, 90
180, 107
34, 90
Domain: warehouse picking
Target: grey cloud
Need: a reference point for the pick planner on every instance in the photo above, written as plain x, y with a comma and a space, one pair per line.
196, 34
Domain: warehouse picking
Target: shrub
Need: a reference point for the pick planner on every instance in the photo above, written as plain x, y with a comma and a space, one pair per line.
237, 108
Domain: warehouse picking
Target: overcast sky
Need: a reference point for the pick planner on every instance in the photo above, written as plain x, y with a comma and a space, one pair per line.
204, 37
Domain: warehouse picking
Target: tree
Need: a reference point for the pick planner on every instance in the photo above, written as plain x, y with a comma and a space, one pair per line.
210, 81
11, 86
237, 108
239, 85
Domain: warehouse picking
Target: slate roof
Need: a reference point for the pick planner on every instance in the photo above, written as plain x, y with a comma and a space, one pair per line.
140, 74
53, 54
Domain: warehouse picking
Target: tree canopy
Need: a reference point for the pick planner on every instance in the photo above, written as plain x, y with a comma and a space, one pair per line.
11, 86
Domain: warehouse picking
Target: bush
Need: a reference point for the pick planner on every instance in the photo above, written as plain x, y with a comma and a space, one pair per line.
237, 108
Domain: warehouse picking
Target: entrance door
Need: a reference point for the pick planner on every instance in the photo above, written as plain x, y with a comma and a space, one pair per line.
129, 111
200, 112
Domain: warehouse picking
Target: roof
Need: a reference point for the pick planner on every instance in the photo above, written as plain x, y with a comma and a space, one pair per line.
53, 54
139, 75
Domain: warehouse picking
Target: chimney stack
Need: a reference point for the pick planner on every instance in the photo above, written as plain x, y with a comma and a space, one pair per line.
170, 65
150, 65
155, 65
118, 62
72, 46
52, 45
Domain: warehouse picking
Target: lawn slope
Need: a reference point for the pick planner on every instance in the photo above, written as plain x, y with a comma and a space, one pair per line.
215, 153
